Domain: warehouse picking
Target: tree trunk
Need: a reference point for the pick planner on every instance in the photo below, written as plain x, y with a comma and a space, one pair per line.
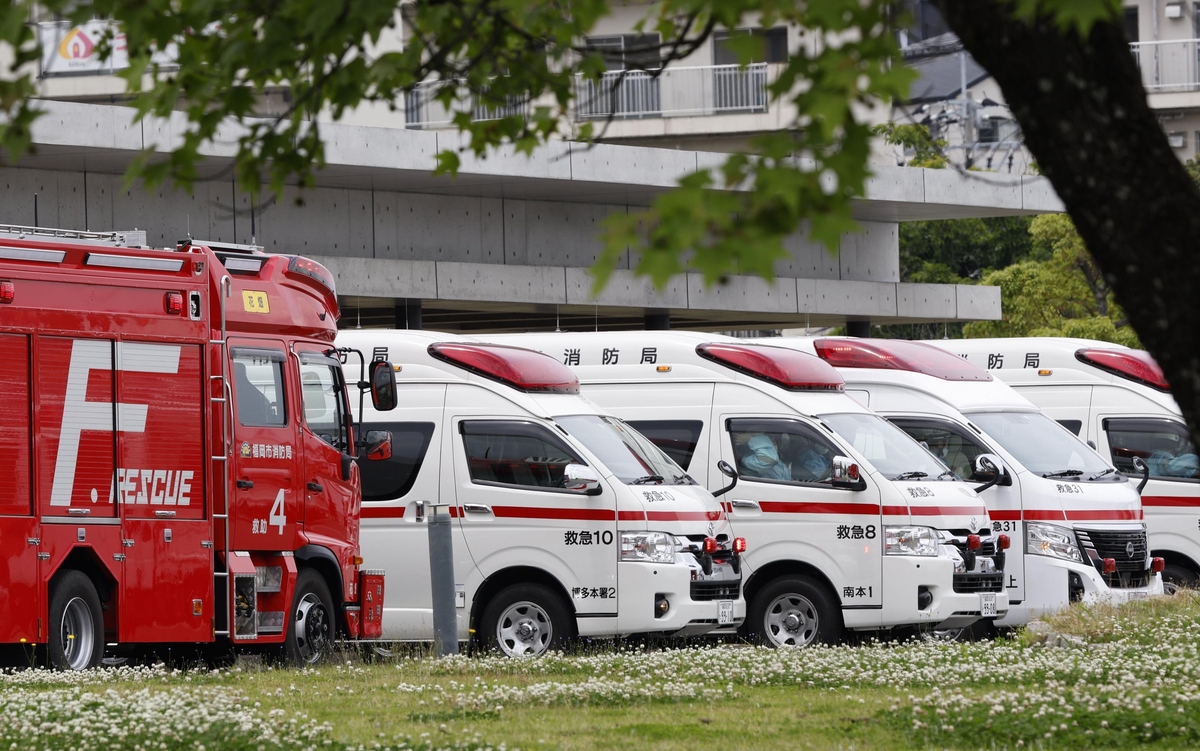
1084, 116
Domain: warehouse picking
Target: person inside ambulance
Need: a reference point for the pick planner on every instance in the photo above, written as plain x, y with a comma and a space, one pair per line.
1167, 449
759, 457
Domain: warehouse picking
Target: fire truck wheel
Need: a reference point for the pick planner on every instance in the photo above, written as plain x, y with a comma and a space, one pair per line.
793, 612
76, 638
310, 636
525, 620
1176, 577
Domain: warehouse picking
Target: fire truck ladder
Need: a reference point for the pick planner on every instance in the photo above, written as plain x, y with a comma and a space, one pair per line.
225, 400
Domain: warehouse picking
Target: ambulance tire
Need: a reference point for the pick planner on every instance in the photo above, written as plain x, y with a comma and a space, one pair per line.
793, 611
1176, 577
311, 630
526, 620
76, 635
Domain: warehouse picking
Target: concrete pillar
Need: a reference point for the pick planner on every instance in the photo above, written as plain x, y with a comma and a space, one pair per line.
858, 328
408, 314
657, 319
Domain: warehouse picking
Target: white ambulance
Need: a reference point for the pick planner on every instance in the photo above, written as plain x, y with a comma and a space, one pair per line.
850, 523
566, 521
1080, 521
1117, 400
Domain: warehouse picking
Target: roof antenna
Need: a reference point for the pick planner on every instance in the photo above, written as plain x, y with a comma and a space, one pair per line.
189, 226
358, 313
596, 316
557, 328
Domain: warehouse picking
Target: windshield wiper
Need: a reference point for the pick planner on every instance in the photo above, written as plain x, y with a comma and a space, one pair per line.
911, 475
682, 480
1108, 471
949, 472
1064, 473
647, 480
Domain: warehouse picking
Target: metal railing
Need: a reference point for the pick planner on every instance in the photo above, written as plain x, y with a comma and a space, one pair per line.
1169, 66
423, 110
673, 92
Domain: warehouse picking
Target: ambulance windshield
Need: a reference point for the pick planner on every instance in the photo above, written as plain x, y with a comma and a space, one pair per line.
888, 448
627, 453
1043, 446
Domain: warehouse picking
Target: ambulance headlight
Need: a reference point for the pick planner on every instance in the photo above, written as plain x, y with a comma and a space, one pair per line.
1051, 540
910, 540
648, 547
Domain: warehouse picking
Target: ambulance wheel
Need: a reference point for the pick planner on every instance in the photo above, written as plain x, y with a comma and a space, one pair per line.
793, 612
311, 632
525, 620
1176, 577
76, 638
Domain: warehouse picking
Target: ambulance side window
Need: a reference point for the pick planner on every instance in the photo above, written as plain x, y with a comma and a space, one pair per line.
322, 393
392, 478
1164, 445
511, 452
676, 438
258, 388
1072, 425
780, 451
953, 445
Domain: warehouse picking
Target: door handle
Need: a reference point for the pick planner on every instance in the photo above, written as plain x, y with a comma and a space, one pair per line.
476, 508
315, 486
746, 504
245, 484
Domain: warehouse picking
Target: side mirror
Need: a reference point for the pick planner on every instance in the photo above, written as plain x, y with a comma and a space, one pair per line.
378, 444
383, 386
1141, 466
991, 470
844, 473
578, 478
729, 472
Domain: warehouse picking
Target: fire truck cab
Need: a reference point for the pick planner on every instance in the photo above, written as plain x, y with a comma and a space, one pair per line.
178, 446
1117, 400
848, 523
1079, 522
565, 520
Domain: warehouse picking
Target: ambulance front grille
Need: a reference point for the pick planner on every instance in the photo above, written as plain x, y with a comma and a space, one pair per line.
970, 582
722, 590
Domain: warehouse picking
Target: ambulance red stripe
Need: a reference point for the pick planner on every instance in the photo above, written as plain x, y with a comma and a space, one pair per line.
796, 507
1170, 501
935, 510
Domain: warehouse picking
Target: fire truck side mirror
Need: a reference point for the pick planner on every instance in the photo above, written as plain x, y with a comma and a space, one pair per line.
379, 445
383, 386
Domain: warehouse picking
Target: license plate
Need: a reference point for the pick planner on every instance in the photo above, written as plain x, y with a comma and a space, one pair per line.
987, 604
725, 612
1138, 596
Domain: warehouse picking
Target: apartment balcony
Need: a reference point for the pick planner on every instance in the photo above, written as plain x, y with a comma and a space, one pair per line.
1170, 66
674, 92
422, 110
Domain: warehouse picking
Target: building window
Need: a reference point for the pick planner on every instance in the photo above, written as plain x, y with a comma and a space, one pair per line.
628, 89
1131, 22
628, 51
774, 46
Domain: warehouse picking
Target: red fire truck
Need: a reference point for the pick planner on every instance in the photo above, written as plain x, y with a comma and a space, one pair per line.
177, 451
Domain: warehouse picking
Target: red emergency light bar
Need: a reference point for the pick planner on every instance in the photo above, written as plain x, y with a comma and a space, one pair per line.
897, 354
1130, 364
520, 368
793, 370
313, 270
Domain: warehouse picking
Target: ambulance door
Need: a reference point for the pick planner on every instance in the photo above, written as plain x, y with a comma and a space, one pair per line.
167, 585
268, 489
787, 509
18, 524
507, 473
329, 500
957, 447
398, 496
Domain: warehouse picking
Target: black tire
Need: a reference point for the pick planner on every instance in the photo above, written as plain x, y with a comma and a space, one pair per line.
793, 611
76, 635
1176, 577
526, 620
311, 628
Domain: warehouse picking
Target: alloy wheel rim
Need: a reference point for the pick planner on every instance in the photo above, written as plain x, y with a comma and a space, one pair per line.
791, 620
78, 634
524, 630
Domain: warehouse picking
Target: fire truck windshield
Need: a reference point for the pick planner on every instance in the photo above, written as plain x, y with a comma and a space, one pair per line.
625, 452
889, 449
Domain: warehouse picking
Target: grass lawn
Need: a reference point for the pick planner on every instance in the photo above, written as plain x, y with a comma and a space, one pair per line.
1105, 677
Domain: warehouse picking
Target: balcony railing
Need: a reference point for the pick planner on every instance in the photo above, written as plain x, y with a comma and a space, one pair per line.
1169, 66
674, 92
423, 110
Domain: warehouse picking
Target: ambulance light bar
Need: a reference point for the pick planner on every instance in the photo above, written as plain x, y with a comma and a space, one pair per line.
787, 368
520, 368
313, 270
897, 354
1130, 364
